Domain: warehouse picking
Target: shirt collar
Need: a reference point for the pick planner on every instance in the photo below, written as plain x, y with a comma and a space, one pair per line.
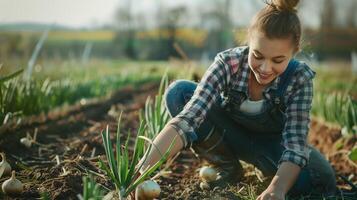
273, 85
243, 78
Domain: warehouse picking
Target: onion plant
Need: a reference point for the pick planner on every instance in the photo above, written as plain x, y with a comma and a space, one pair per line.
123, 169
156, 116
18, 97
337, 108
353, 154
91, 190
7, 89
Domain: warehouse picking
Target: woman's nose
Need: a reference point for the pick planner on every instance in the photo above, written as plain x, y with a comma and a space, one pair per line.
266, 67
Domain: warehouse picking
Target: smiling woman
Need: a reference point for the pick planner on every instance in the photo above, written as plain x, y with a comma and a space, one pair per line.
268, 58
253, 104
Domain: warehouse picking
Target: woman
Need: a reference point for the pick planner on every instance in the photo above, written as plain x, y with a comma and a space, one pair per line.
253, 104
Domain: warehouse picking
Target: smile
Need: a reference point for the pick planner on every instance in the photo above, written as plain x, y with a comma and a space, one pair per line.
264, 76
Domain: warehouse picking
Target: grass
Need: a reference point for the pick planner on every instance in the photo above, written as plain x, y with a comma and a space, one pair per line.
7, 89
335, 93
246, 192
54, 84
335, 77
337, 108
52, 88
91, 190
156, 115
34, 97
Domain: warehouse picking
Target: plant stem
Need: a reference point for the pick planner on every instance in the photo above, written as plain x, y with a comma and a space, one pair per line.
121, 193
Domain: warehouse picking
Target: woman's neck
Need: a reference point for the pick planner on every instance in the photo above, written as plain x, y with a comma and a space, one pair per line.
255, 89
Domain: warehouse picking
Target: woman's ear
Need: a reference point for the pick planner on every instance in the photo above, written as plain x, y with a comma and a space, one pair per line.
296, 51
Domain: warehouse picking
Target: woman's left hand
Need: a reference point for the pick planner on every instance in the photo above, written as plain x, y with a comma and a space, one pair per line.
272, 193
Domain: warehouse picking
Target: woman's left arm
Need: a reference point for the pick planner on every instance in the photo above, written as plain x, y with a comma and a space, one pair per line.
283, 180
294, 138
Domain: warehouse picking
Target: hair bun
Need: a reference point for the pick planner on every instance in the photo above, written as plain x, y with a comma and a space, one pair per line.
285, 5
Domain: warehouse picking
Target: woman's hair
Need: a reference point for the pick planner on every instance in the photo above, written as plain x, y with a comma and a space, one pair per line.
278, 20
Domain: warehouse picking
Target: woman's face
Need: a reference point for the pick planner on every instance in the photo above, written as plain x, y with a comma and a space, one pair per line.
268, 58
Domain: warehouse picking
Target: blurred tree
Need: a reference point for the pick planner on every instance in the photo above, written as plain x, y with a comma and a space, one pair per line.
352, 15
217, 20
10, 45
168, 20
328, 15
160, 47
126, 30
170, 25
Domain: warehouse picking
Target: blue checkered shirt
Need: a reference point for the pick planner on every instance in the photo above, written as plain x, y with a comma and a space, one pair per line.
230, 70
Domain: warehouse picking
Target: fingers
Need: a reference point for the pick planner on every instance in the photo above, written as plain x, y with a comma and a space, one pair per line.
268, 197
264, 196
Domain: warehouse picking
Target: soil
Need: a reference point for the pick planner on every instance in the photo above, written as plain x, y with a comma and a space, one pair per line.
69, 143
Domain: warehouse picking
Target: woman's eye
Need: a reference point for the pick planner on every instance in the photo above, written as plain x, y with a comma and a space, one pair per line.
277, 62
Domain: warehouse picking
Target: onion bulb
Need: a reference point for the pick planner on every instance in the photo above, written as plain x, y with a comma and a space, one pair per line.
12, 186
208, 174
5, 168
147, 190
26, 141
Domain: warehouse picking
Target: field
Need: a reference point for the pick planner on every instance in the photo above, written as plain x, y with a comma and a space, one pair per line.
69, 143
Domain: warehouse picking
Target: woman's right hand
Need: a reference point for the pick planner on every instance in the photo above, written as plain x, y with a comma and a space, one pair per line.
162, 142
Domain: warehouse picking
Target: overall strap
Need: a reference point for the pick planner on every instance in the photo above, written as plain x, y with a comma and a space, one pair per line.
284, 81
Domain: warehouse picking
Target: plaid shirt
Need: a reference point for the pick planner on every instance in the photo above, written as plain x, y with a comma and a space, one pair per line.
230, 70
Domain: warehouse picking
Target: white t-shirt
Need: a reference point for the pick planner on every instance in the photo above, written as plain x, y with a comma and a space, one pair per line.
251, 107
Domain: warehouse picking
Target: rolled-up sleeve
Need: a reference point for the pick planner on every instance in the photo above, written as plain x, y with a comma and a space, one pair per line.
297, 124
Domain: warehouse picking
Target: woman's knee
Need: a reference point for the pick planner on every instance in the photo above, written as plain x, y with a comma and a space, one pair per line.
322, 172
310, 181
317, 177
177, 95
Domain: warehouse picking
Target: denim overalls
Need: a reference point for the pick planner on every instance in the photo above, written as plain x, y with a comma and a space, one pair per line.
255, 138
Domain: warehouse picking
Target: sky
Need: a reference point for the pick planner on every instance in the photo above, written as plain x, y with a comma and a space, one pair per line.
72, 13
67, 12
87, 13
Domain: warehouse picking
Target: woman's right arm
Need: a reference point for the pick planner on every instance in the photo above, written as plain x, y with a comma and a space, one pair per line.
207, 92
162, 142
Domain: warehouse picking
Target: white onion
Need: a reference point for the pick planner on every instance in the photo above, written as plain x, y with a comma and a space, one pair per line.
208, 174
5, 168
147, 190
25, 141
12, 186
